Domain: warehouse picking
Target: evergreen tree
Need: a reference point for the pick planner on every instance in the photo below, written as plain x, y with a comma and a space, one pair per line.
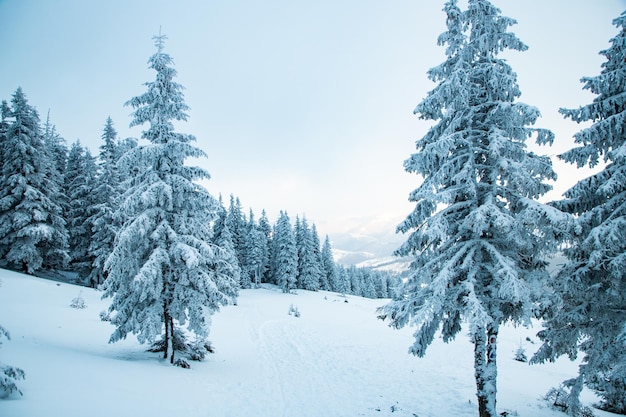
477, 235
309, 271
236, 223
228, 265
317, 258
286, 254
588, 316
329, 277
356, 280
257, 252
342, 284
266, 229
105, 198
164, 271
57, 158
32, 229
80, 177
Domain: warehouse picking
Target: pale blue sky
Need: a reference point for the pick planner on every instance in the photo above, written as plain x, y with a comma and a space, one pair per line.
304, 106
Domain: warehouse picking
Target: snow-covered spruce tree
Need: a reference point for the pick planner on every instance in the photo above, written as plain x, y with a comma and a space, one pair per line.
80, 177
285, 254
266, 229
32, 228
342, 283
329, 271
590, 313
309, 268
57, 155
236, 223
105, 196
478, 237
257, 252
317, 256
164, 271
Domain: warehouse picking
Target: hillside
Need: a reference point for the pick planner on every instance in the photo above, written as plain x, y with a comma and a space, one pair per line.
336, 359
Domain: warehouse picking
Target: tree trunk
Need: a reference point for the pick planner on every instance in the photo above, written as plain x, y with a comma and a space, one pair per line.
485, 370
171, 342
168, 336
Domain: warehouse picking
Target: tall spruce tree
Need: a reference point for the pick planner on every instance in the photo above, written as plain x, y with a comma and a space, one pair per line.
257, 251
164, 270
80, 178
329, 270
478, 238
266, 229
105, 198
32, 228
309, 270
285, 254
589, 314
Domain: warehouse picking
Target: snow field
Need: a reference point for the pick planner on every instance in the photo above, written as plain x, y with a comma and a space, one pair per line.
336, 359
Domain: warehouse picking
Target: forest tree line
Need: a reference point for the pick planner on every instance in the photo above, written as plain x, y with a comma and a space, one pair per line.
58, 213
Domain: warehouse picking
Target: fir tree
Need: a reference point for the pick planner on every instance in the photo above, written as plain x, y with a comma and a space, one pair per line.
588, 315
57, 157
32, 229
477, 235
266, 229
356, 280
257, 252
80, 177
342, 284
329, 277
236, 223
105, 197
309, 271
286, 254
164, 271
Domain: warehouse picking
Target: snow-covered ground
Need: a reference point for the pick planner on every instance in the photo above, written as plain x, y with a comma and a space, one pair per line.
336, 359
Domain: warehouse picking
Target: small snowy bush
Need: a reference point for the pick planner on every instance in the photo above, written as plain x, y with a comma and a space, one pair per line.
294, 310
78, 302
9, 374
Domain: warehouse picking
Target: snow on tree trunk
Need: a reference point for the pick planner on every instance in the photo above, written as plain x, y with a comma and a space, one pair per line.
485, 370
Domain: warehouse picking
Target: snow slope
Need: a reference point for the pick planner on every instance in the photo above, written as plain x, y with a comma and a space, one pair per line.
336, 359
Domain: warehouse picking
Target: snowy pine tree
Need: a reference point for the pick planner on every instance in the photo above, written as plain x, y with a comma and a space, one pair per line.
589, 314
164, 271
266, 229
257, 251
285, 254
236, 224
478, 238
309, 270
80, 178
342, 283
105, 198
32, 228
329, 271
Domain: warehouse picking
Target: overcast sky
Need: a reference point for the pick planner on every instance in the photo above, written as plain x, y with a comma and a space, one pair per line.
303, 106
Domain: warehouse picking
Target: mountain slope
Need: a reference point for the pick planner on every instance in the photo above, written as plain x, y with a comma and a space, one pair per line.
336, 359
